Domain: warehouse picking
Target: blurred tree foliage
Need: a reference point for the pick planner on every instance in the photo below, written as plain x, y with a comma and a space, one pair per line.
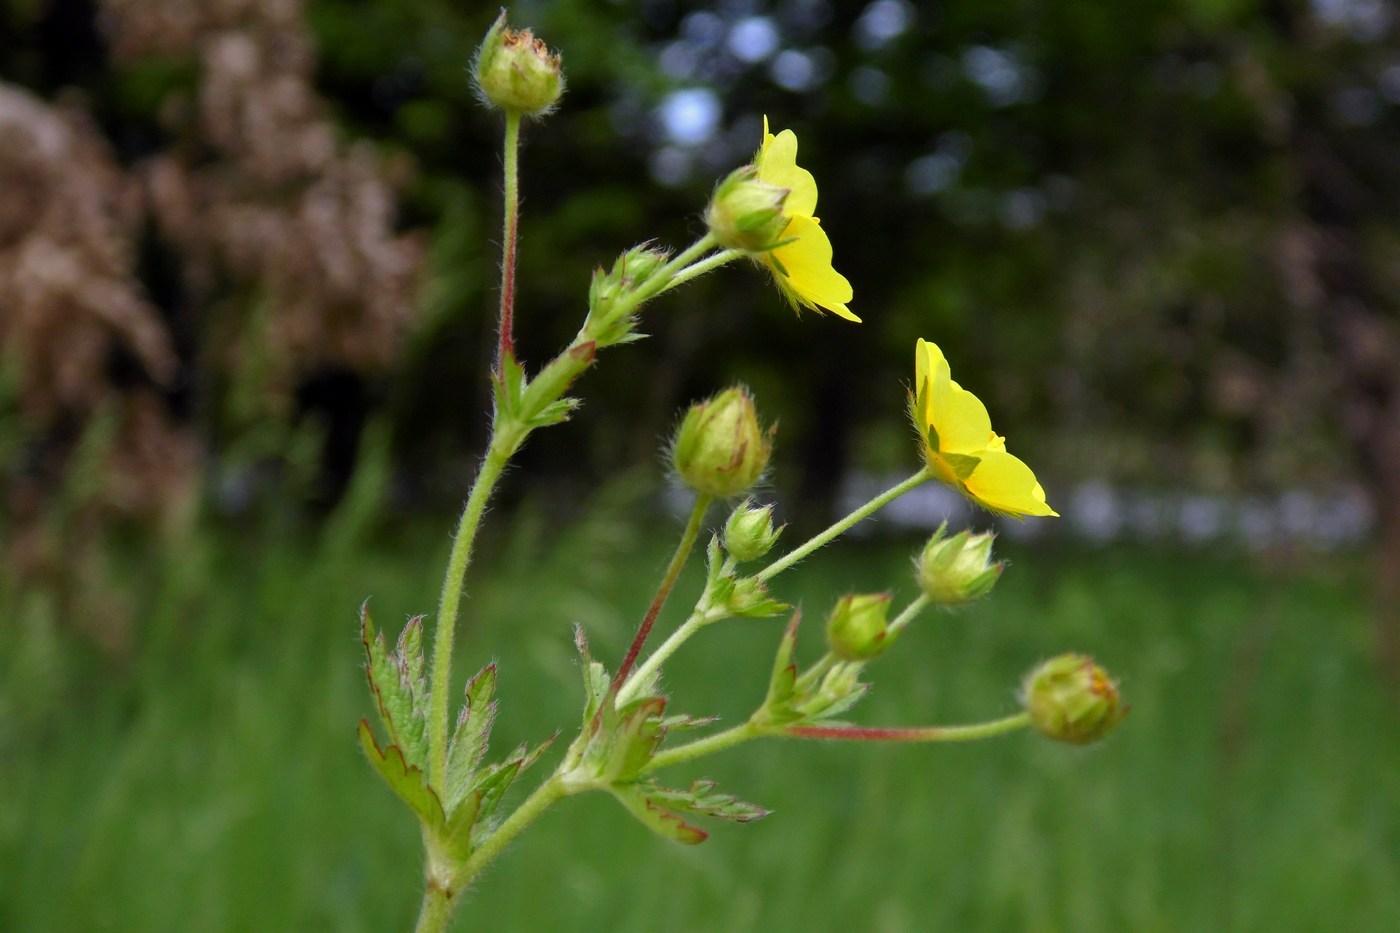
1159, 238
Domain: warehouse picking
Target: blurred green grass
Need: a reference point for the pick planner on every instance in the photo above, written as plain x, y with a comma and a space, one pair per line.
213, 781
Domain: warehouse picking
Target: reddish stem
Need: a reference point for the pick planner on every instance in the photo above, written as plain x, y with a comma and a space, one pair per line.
692, 531
859, 734
506, 348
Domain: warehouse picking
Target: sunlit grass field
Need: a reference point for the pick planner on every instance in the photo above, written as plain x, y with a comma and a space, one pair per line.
212, 781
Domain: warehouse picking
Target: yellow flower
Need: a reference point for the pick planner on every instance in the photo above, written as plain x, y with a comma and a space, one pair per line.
960, 446
801, 266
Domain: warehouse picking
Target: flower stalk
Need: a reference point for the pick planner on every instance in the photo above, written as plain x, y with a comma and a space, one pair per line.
509, 235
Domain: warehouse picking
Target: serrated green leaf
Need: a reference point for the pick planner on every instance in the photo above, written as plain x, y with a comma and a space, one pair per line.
471, 735
391, 693
404, 779
412, 665
555, 412
658, 819
491, 786
528, 758
682, 722
701, 799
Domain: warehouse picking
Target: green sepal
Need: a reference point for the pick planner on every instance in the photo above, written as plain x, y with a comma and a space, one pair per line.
748, 598
962, 464
508, 385
655, 817
737, 596
392, 678
931, 433
635, 739
822, 712
715, 564
471, 735
403, 779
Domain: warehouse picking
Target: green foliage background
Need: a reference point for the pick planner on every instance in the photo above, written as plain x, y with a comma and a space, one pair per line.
216, 782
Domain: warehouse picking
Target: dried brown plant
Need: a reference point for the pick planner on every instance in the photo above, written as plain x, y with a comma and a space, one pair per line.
89, 450
301, 223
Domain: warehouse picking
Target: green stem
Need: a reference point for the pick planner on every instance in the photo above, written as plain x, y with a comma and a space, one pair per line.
709, 745
668, 581
701, 267
901, 621
436, 911
525, 814
980, 730
889, 495
451, 599
814, 673
509, 237
663, 278
698, 620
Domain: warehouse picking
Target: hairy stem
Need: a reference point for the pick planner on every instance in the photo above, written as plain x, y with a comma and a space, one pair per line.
701, 267
529, 810
698, 620
709, 745
981, 730
446, 623
836, 530
509, 236
901, 621
436, 911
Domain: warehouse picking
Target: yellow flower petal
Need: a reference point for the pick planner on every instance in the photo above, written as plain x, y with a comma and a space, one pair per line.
960, 446
803, 269
802, 266
777, 166
1004, 484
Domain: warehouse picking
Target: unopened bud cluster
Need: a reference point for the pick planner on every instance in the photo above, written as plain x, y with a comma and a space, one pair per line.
611, 316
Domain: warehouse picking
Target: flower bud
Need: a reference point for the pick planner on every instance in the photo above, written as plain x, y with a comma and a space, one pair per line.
610, 322
856, 629
957, 570
746, 213
720, 449
517, 72
1072, 699
749, 532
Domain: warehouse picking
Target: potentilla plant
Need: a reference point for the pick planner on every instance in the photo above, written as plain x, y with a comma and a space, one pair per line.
627, 734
